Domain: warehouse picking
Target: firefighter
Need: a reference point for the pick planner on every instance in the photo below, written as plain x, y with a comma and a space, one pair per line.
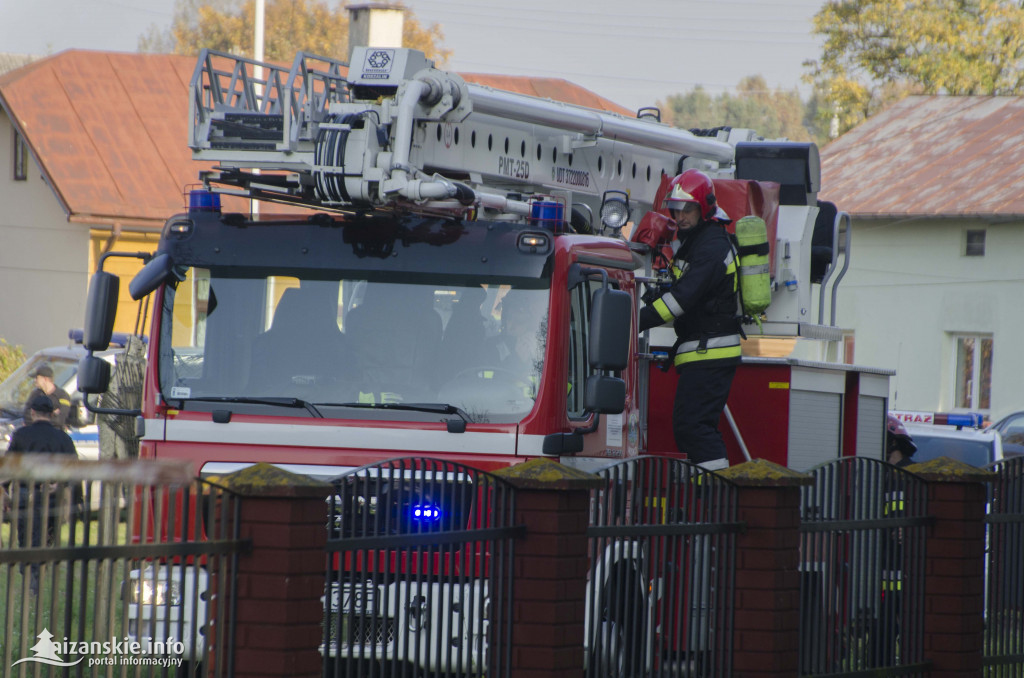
702, 305
39, 435
899, 446
899, 449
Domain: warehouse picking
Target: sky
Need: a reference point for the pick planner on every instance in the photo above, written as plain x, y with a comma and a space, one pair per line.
634, 57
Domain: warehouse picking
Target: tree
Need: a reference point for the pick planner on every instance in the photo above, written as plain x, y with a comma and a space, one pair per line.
876, 51
291, 26
771, 113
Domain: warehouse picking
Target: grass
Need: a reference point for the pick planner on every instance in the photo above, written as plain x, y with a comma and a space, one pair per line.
77, 600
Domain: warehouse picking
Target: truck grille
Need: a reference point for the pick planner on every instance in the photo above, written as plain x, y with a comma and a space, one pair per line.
362, 630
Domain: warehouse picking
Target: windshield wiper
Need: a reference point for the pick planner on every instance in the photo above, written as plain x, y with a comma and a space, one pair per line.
454, 426
280, 402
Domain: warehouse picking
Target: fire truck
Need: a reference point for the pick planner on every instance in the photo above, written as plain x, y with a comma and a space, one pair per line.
452, 277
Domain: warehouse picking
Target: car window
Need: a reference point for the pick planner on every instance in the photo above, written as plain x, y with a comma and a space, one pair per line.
1013, 426
15, 388
973, 452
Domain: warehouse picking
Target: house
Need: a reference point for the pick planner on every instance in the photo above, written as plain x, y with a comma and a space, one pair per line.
97, 160
935, 188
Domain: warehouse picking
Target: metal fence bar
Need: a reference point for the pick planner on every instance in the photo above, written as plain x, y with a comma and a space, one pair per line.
418, 578
117, 564
1004, 584
862, 571
661, 587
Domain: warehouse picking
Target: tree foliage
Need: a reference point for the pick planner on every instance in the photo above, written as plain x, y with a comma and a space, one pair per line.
876, 51
771, 113
11, 357
290, 26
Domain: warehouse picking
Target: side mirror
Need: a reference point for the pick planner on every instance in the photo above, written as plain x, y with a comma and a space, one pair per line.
152, 275
611, 319
93, 375
100, 311
604, 394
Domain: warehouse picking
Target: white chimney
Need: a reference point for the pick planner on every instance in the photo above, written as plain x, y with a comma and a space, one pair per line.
374, 24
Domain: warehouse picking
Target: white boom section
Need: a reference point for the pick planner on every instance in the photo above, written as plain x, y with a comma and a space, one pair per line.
395, 130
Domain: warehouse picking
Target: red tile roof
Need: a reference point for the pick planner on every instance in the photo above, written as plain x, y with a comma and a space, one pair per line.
933, 156
547, 88
110, 129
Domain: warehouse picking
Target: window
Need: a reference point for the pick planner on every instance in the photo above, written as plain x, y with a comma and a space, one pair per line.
973, 376
580, 301
343, 342
20, 157
579, 311
974, 242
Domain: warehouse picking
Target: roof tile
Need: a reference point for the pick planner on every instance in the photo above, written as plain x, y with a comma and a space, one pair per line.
110, 129
931, 156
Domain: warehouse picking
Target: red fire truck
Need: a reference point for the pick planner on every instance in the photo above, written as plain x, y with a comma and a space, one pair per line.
460, 285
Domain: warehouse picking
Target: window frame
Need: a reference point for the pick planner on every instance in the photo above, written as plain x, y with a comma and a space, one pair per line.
978, 249
19, 157
972, 392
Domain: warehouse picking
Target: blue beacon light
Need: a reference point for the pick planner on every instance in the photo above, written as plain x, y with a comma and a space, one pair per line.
426, 512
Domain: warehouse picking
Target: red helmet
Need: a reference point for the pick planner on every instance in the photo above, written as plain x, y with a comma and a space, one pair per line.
691, 186
896, 436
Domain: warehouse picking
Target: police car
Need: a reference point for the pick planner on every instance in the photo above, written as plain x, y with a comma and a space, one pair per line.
64, 361
957, 436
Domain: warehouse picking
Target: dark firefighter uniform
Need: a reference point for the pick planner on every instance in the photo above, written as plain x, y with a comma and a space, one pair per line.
702, 305
40, 436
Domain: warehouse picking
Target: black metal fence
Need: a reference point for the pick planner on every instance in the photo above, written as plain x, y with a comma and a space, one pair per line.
660, 595
1004, 580
114, 568
863, 532
419, 571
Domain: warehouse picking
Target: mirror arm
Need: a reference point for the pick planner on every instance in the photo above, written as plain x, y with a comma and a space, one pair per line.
95, 409
578, 275
145, 256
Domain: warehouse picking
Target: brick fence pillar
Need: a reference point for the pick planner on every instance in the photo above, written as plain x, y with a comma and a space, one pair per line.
550, 568
955, 571
280, 582
767, 637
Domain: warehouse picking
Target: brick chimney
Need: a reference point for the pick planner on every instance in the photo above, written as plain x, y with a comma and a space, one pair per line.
374, 24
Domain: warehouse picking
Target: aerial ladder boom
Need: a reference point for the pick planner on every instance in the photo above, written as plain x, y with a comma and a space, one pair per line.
396, 130
390, 131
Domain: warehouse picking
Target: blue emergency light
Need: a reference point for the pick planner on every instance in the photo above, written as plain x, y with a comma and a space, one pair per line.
970, 419
426, 512
200, 200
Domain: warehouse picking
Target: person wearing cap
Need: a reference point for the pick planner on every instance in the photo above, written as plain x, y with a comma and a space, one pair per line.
58, 396
39, 436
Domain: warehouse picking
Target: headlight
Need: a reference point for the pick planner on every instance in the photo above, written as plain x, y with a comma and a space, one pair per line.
148, 592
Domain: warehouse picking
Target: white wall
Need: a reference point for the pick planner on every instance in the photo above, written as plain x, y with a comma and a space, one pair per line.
43, 258
909, 287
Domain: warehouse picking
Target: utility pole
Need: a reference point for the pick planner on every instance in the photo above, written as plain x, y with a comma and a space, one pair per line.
257, 42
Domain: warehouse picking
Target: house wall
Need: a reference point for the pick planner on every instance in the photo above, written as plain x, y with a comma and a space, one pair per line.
43, 258
910, 289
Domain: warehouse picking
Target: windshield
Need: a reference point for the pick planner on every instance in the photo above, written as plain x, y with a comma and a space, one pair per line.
355, 342
973, 452
15, 388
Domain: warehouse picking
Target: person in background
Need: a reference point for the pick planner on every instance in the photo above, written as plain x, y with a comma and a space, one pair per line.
36, 502
899, 450
899, 445
58, 396
702, 305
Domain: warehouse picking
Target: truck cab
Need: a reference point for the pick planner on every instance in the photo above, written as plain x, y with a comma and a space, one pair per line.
324, 343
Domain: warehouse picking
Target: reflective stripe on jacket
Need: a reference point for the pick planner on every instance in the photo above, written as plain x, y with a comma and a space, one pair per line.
702, 301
